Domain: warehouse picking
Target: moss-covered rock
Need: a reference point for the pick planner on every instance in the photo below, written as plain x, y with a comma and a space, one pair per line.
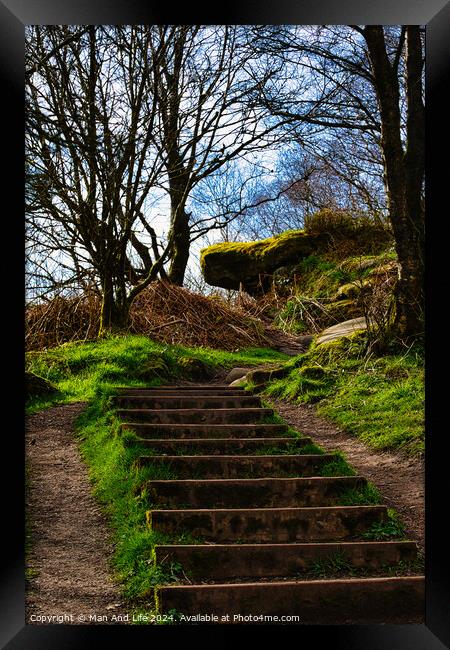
351, 290
36, 386
239, 383
345, 329
194, 369
236, 373
315, 372
252, 264
153, 367
262, 376
342, 310
359, 263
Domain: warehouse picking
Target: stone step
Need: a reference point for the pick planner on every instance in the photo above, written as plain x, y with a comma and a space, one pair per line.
396, 600
217, 562
184, 387
241, 466
270, 525
205, 430
194, 416
156, 392
250, 492
187, 402
219, 446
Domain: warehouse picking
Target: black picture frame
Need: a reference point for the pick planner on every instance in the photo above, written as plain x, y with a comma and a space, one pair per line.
435, 15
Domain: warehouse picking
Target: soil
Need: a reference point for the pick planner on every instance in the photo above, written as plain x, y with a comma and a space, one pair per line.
68, 563
399, 478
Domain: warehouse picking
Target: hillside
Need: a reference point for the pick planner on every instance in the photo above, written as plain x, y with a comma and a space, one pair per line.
355, 396
367, 383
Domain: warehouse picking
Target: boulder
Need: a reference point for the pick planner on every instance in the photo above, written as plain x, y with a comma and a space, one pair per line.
194, 369
352, 290
239, 383
261, 376
36, 386
314, 372
153, 367
251, 265
343, 310
341, 329
305, 341
236, 373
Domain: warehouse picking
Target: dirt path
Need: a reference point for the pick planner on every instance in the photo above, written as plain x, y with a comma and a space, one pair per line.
70, 548
400, 479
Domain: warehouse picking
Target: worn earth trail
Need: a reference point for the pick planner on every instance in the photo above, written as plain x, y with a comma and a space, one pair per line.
399, 478
67, 565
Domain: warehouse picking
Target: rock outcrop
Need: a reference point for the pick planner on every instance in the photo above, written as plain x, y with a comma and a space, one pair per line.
36, 386
252, 264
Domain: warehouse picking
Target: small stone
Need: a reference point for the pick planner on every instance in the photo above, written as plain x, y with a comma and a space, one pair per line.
236, 373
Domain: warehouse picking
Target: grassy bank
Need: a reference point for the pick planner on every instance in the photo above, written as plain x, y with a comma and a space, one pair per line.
378, 399
79, 369
90, 372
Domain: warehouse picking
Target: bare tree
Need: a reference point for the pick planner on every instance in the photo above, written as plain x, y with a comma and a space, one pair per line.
119, 118
365, 80
91, 164
204, 82
404, 160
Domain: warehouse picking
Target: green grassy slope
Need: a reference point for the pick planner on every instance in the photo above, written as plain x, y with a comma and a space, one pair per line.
378, 399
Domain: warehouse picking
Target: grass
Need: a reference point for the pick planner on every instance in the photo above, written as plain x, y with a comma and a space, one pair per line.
337, 467
78, 369
338, 565
90, 372
385, 412
380, 400
391, 528
366, 495
119, 485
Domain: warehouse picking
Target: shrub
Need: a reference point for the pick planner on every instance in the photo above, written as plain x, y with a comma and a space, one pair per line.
350, 234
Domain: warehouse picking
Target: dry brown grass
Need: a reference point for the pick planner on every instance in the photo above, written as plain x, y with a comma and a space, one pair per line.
61, 320
163, 312
176, 315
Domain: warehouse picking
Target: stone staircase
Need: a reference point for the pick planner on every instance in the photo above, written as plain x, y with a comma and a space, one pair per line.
262, 517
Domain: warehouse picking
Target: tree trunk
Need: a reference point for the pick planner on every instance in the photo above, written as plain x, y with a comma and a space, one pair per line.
179, 223
181, 246
403, 174
115, 308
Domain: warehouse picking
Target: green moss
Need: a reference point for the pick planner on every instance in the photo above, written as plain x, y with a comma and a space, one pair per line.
257, 249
